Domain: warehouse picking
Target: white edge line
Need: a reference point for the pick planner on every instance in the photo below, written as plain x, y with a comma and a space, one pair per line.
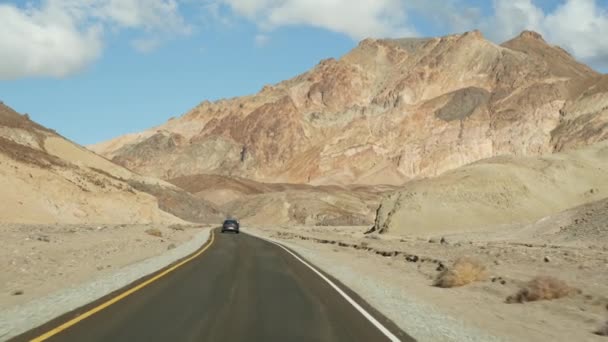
366, 314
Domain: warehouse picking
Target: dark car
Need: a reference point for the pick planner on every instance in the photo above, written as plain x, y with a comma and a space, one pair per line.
231, 226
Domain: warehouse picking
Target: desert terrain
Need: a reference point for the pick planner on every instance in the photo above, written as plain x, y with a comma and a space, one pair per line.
398, 275
458, 186
513, 220
70, 217
44, 258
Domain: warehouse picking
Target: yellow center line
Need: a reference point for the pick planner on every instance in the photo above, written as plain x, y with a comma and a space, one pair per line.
104, 305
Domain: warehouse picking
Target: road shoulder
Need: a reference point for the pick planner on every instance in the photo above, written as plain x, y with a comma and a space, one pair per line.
420, 320
21, 318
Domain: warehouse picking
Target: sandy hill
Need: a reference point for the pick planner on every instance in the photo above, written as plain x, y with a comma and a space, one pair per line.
584, 226
389, 111
314, 207
279, 203
48, 179
497, 193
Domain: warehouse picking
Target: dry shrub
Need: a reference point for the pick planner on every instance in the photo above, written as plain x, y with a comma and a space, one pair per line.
177, 226
603, 331
542, 288
154, 232
463, 271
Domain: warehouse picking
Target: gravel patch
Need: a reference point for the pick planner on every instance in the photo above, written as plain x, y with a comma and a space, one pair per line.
421, 321
22, 318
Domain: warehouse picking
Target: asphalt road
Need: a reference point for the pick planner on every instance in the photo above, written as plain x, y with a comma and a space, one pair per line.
240, 289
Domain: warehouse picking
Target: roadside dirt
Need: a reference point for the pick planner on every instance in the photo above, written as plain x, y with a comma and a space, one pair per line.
411, 265
41, 259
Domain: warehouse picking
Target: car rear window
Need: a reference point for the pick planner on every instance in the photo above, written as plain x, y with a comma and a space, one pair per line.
230, 222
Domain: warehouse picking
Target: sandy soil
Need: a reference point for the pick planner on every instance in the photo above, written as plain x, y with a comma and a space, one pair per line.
37, 260
376, 267
488, 194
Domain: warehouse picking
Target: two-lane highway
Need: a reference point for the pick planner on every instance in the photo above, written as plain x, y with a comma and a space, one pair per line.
240, 288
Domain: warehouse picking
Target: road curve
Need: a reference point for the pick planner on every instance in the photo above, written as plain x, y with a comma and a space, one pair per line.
240, 289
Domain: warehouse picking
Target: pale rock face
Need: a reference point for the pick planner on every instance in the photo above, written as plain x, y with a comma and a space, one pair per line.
387, 112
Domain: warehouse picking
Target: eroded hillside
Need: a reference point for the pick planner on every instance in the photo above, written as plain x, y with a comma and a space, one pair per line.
389, 111
48, 179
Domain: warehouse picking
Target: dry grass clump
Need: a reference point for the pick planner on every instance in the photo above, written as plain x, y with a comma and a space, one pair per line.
154, 232
463, 271
542, 288
603, 331
177, 226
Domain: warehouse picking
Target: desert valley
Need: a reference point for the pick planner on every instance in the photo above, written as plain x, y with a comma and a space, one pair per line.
460, 187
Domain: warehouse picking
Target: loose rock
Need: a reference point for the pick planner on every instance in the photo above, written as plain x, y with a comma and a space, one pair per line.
412, 258
43, 238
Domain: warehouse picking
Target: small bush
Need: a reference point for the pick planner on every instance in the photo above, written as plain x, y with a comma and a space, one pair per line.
177, 227
542, 288
154, 232
603, 331
463, 271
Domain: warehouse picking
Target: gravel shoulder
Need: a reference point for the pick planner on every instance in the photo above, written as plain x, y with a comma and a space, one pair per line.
403, 290
47, 270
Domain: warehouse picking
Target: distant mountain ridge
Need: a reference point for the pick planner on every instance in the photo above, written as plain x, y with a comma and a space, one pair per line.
389, 111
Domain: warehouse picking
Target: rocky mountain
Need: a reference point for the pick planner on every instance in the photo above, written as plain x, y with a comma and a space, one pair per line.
389, 111
48, 179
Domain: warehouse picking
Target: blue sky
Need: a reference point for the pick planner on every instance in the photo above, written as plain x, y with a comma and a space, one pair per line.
112, 69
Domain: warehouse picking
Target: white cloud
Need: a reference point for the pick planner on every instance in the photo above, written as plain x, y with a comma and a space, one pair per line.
261, 40
146, 45
366, 18
580, 26
44, 42
576, 25
153, 15
60, 37
511, 17
453, 15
